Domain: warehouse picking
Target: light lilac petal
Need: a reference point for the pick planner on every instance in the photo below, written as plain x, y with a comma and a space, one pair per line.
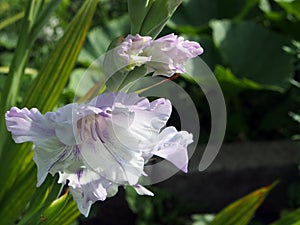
28, 125
147, 116
170, 53
66, 119
172, 146
46, 155
148, 122
113, 165
111, 156
130, 52
89, 187
112, 100
137, 114
78, 198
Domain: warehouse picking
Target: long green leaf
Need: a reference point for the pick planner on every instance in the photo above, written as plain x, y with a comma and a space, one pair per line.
54, 209
43, 17
62, 209
14, 162
53, 77
32, 23
241, 211
17, 67
67, 215
20, 193
41, 199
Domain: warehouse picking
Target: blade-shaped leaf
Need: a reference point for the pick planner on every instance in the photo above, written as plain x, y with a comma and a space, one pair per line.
56, 212
18, 196
41, 199
69, 213
55, 73
32, 22
241, 211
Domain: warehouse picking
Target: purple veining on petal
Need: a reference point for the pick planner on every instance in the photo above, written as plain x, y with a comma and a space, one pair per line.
106, 112
61, 156
80, 126
76, 151
98, 131
79, 174
93, 132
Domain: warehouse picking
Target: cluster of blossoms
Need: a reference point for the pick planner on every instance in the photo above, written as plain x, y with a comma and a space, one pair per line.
103, 144
164, 56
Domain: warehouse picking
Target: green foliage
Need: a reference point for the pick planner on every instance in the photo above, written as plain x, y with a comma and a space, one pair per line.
99, 38
148, 17
233, 85
188, 19
263, 61
35, 17
96, 44
291, 6
55, 73
291, 218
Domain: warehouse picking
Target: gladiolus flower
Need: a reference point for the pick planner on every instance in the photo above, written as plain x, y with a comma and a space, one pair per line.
164, 56
99, 146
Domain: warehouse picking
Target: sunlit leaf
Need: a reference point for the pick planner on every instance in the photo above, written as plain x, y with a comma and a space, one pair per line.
54, 209
232, 85
69, 213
